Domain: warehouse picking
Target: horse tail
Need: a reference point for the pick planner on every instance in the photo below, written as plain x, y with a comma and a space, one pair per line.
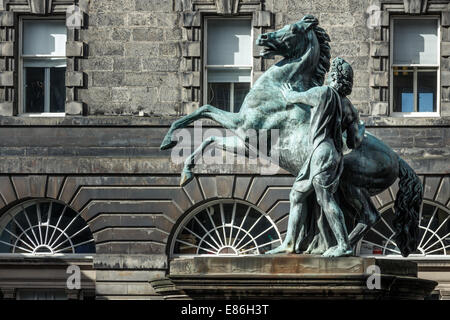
407, 206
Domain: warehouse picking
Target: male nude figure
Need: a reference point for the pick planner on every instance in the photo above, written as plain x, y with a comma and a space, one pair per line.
331, 115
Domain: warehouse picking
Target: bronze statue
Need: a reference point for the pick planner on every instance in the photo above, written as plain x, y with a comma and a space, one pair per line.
332, 114
367, 170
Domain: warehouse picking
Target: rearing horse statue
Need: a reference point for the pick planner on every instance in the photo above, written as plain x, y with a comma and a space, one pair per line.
368, 170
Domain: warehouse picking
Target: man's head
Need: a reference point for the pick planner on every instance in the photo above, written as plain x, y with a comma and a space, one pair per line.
341, 76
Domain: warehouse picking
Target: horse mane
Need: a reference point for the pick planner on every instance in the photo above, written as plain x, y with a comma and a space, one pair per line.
323, 66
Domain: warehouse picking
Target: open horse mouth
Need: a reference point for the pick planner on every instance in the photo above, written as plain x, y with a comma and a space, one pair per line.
269, 48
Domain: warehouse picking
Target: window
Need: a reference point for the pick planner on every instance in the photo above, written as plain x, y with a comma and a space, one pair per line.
228, 62
415, 66
44, 227
225, 227
434, 233
43, 66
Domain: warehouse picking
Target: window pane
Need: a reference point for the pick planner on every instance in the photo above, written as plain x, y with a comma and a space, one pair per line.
233, 75
34, 89
403, 91
415, 41
240, 91
426, 87
57, 89
219, 95
44, 37
229, 42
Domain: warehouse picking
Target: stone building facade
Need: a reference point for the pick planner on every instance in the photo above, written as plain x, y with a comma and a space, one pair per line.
134, 66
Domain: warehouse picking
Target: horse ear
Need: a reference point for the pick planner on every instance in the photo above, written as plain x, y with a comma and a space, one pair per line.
309, 21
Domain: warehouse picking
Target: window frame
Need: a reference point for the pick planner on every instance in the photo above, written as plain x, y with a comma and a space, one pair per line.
205, 65
21, 77
415, 67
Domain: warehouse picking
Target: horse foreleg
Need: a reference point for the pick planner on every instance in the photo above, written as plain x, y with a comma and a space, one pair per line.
228, 120
231, 144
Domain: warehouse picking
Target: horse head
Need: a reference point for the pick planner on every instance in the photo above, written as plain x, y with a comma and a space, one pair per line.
303, 42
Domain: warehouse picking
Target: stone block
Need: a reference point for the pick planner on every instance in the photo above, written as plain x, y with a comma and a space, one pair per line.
379, 49
191, 19
227, 7
169, 94
445, 21
384, 19
107, 19
74, 108
169, 49
379, 79
107, 79
161, 64
191, 49
130, 261
38, 6
6, 109
106, 48
415, 6
445, 78
379, 108
127, 64
262, 19
74, 48
189, 107
119, 34
445, 109
445, 49
148, 34
6, 19
7, 49
74, 79
7, 78
154, 5
191, 79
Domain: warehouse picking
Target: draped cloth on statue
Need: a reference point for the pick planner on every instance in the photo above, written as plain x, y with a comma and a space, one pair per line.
324, 165
326, 141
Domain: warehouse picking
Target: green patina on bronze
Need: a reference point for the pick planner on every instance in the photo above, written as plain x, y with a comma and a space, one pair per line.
291, 98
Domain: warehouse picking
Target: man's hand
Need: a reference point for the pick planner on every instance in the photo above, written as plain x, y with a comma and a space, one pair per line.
288, 93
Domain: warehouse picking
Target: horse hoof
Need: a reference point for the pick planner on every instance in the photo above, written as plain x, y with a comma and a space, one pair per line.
186, 177
168, 143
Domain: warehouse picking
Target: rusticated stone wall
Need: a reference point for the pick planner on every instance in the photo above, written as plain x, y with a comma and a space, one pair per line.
143, 57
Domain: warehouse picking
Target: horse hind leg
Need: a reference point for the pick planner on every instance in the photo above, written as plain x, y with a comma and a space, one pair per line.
231, 144
368, 215
228, 120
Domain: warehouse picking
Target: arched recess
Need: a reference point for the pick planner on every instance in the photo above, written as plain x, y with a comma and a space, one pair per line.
44, 227
434, 222
224, 227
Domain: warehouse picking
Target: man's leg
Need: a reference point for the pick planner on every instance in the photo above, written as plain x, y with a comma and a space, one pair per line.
335, 218
297, 215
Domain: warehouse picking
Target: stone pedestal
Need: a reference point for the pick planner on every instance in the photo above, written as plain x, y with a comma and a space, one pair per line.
292, 277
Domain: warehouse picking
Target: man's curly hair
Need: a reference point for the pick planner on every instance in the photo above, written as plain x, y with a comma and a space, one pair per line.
341, 75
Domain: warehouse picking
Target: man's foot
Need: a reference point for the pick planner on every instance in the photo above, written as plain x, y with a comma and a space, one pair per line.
314, 251
338, 251
283, 248
186, 177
